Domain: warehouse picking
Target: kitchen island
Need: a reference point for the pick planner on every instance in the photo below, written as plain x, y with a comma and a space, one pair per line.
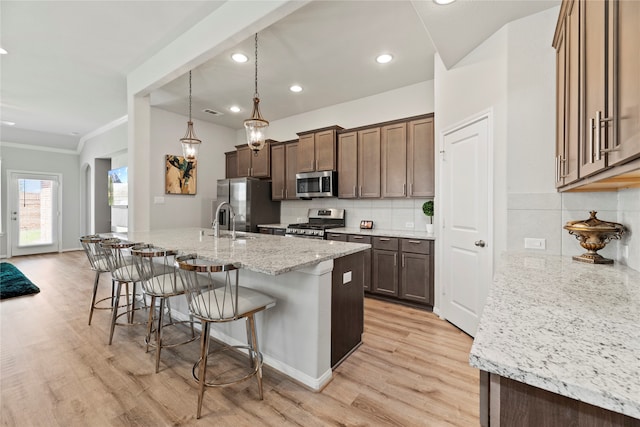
296, 335
559, 344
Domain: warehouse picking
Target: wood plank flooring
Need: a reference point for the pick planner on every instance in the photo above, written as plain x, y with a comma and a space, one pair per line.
412, 369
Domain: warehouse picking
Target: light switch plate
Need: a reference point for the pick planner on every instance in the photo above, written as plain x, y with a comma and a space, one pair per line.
531, 243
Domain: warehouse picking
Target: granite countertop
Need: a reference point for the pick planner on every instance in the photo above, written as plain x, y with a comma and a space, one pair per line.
409, 234
564, 326
262, 253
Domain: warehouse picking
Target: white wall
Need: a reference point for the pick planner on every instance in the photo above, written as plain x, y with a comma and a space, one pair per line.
183, 210
476, 84
404, 102
38, 160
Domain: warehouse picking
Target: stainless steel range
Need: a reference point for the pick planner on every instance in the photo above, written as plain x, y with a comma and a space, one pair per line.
319, 221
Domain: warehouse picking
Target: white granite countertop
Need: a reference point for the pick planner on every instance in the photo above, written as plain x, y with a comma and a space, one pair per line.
564, 326
262, 253
409, 234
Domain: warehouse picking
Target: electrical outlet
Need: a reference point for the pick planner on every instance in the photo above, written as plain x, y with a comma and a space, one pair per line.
531, 243
408, 224
346, 277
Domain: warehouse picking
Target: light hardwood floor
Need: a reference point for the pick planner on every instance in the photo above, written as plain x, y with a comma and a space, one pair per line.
412, 369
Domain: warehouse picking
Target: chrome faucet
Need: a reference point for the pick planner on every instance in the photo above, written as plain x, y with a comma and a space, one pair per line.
216, 225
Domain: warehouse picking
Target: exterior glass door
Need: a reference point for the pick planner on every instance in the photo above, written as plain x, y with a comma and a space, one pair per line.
34, 213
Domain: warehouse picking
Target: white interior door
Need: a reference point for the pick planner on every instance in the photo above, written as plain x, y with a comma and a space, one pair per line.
466, 235
34, 213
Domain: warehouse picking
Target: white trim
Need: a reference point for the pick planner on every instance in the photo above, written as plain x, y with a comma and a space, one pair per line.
102, 129
38, 148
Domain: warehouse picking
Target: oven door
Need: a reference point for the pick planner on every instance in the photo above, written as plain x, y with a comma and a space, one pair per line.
304, 236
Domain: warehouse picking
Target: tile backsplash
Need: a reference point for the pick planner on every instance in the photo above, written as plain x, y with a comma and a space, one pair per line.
543, 215
387, 214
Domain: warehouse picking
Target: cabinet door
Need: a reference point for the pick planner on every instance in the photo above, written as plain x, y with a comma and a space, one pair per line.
278, 172
306, 153
291, 157
561, 77
355, 238
348, 165
571, 157
231, 164
394, 160
420, 158
416, 274
385, 272
369, 163
594, 90
244, 162
337, 236
261, 162
626, 75
325, 150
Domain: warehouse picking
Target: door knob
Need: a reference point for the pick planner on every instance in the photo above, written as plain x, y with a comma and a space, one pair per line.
480, 243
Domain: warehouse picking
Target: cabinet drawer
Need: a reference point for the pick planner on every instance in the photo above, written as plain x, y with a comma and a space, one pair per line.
355, 238
386, 243
265, 230
279, 231
337, 236
416, 246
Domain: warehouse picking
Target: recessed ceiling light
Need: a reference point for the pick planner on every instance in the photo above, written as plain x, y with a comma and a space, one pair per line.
384, 58
296, 88
234, 109
7, 123
239, 57
3, 52
443, 1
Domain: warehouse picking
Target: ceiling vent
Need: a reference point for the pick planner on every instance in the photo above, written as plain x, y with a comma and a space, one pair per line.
212, 112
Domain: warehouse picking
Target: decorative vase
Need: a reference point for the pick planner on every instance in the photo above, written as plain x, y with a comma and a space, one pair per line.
430, 228
593, 235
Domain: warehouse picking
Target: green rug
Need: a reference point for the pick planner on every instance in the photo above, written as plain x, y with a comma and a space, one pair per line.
13, 283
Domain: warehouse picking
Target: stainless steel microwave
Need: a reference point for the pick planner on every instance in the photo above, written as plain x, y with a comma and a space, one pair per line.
316, 184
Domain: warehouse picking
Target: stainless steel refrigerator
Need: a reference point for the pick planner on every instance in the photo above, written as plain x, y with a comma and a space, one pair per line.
251, 202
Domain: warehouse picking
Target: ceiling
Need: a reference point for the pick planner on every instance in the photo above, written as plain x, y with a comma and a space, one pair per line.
65, 74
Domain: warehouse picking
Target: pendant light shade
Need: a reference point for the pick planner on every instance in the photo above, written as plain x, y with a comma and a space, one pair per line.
190, 142
256, 126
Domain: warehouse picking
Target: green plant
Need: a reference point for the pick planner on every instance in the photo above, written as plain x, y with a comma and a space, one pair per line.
427, 208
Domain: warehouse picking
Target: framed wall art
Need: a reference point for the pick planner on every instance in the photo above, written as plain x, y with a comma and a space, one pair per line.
180, 175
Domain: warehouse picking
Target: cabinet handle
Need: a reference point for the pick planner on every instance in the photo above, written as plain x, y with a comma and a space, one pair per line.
402, 260
410, 189
395, 259
415, 242
592, 126
557, 168
282, 193
248, 171
404, 189
316, 164
360, 191
358, 237
384, 239
600, 121
286, 193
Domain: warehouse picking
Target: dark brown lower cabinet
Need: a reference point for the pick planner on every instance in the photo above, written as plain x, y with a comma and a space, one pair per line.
397, 269
506, 402
347, 306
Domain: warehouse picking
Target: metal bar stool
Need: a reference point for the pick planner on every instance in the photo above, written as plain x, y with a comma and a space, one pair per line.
123, 271
222, 302
98, 263
160, 280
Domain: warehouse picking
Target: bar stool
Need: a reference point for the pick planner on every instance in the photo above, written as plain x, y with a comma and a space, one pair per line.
222, 302
98, 263
161, 281
123, 272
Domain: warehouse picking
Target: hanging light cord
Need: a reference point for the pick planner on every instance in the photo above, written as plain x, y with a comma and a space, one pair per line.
256, 64
189, 95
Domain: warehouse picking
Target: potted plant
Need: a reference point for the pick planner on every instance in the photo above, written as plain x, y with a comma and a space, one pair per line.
427, 209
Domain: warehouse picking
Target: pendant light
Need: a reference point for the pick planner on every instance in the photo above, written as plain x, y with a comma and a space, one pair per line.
256, 126
190, 142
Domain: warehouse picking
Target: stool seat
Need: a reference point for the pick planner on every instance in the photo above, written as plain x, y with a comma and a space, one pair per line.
216, 304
